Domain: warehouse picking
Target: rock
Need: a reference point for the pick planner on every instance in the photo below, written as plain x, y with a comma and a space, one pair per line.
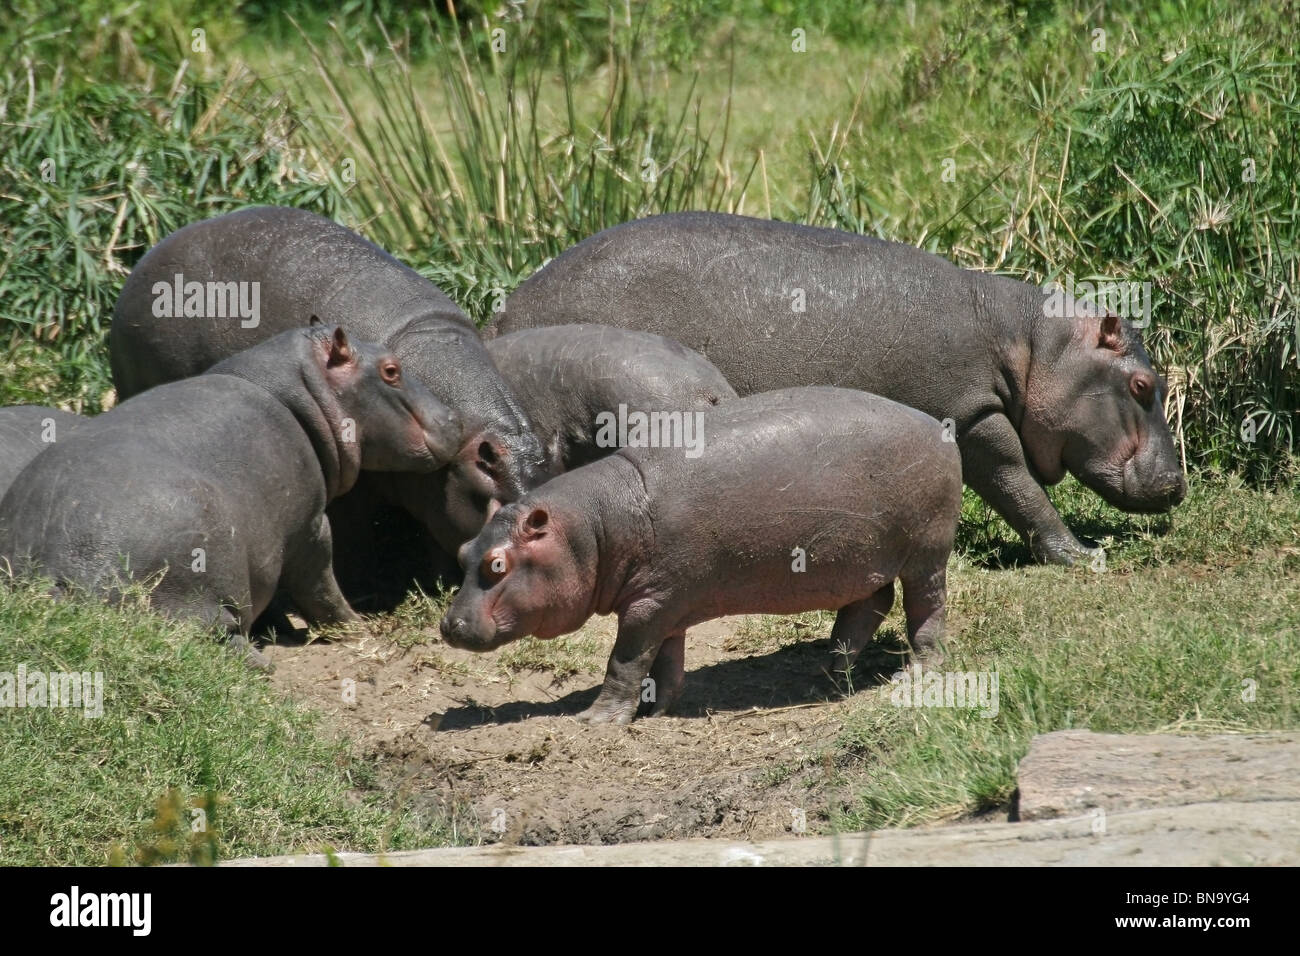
1212, 834
1071, 772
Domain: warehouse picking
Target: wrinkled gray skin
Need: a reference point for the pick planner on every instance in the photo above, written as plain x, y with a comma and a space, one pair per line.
1031, 397
867, 487
25, 432
307, 265
567, 375
240, 462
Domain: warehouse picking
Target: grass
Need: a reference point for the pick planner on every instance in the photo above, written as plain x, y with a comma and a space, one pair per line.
185, 726
94, 173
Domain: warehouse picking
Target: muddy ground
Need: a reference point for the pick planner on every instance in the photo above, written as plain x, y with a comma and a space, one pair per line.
491, 739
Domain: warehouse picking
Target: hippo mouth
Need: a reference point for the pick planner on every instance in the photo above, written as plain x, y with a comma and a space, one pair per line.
458, 633
1153, 495
429, 440
1126, 488
487, 633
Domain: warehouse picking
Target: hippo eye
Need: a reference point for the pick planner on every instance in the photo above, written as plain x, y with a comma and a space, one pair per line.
1142, 388
390, 372
495, 565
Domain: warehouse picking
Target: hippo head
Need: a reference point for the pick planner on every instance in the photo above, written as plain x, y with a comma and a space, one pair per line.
397, 423
485, 472
523, 575
1097, 411
498, 457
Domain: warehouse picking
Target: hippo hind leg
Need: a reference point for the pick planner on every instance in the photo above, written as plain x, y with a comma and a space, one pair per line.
224, 616
237, 641
856, 624
925, 592
668, 674
309, 580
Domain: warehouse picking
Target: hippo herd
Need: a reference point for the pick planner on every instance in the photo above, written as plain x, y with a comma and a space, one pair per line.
679, 418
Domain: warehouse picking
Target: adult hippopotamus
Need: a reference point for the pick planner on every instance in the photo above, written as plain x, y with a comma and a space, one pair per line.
216, 287
802, 499
219, 483
25, 432
578, 382
1028, 395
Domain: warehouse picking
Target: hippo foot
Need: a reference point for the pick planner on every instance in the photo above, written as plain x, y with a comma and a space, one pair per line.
1068, 552
667, 701
929, 656
606, 712
253, 658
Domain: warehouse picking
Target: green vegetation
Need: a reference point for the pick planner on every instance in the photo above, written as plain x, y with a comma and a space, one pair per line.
185, 726
1164, 150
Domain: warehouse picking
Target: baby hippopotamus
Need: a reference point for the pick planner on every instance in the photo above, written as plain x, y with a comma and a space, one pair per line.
802, 499
575, 381
219, 483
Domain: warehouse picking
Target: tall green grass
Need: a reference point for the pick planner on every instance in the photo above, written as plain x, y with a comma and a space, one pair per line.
94, 171
487, 163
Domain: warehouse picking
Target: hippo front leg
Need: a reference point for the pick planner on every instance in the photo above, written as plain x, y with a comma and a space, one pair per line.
634, 652
994, 466
310, 582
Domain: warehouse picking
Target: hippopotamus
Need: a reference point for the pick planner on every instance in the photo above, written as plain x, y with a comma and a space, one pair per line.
216, 287
1032, 384
25, 432
575, 381
802, 499
219, 483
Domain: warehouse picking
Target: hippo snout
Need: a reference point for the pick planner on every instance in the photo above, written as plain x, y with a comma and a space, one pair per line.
1174, 486
453, 629
466, 631
1156, 494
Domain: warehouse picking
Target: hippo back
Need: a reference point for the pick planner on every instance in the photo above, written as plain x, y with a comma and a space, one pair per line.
217, 287
571, 377
25, 432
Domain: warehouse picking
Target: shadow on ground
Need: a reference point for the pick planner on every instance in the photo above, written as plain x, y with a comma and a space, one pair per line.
799, 673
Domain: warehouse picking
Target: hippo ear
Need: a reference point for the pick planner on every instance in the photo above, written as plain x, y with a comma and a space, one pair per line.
340, 349
1111, 334
535, 524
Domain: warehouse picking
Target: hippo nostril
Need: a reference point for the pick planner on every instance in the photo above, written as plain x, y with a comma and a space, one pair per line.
451, 627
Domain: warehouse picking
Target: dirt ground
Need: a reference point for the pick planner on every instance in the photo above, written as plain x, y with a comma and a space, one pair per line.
496, 744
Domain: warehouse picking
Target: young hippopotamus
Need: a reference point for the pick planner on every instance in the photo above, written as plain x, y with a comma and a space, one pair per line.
803, 499
576, 381
217, 287
1033, 383
219, 483
25, 432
